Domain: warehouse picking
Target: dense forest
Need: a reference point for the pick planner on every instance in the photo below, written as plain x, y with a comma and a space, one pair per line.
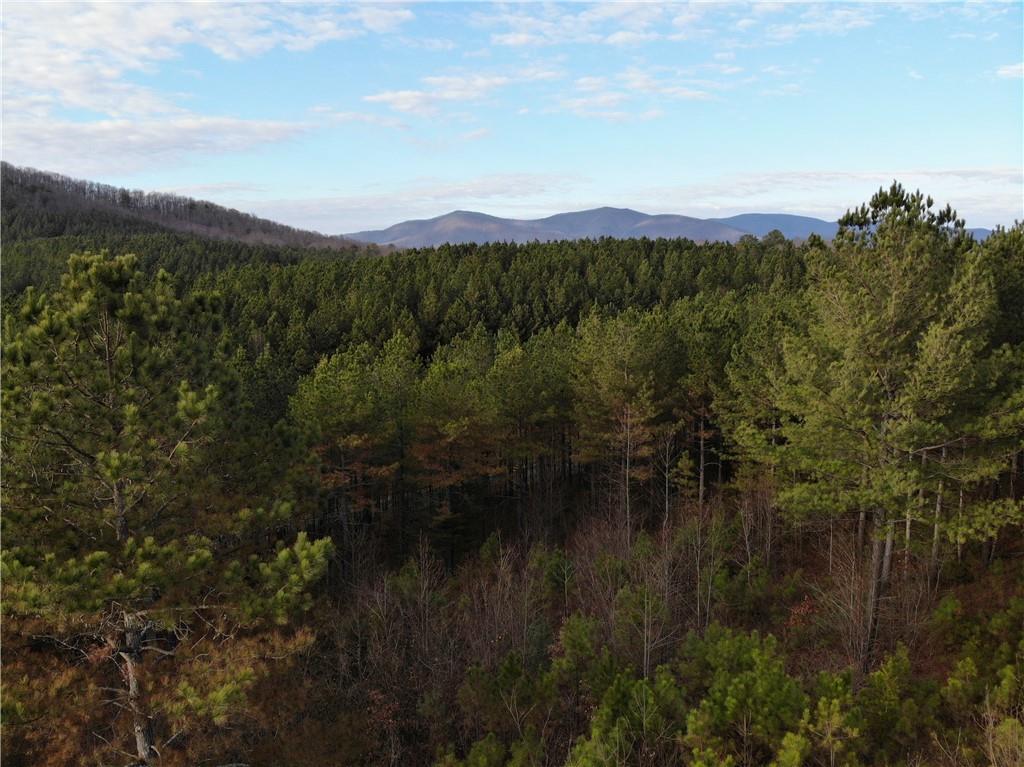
601, 502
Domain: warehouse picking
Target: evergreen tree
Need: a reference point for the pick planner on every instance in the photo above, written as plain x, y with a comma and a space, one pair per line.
110, 551
613, 404
894, 353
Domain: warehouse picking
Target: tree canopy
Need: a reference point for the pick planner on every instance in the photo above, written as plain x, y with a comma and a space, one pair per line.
602, 502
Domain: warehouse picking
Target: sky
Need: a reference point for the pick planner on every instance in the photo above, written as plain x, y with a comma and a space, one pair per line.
342, 117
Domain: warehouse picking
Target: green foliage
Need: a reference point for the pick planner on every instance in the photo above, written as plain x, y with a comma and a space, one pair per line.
112, 403
500, 701
829, 732
86, 385
793, 751
488, 752
218, 704
618, 422
581, 659
895, 707
903, 313
747, 701
637, 722
613, 388
284, 581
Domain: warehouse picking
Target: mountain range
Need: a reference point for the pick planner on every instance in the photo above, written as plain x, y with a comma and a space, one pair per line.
468, 226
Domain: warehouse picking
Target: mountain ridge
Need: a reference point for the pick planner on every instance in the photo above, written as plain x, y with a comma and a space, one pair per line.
464, 226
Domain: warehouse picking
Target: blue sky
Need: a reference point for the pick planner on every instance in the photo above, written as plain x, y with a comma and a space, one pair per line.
340, 117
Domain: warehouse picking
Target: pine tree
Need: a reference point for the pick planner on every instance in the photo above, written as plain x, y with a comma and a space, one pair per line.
110, 398
894, 357
613, 404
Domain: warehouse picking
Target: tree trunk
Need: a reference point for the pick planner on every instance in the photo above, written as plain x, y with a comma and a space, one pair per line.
718, 454
831, 533
890, 535
628, 468
698, 550
120, 513
700, 491
520, 490
933, 565
921, 505
130, 655
959, 518
451, 530
906, 537
710, 565
1013, 475
874, 596
647, 633
668, 471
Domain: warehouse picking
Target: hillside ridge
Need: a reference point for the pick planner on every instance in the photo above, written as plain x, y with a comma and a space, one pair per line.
38, 203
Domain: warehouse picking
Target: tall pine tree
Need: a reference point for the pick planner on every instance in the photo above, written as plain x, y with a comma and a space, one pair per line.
123, 581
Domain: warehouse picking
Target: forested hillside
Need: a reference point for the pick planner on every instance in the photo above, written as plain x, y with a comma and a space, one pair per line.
47, 217
600, 502
41, 204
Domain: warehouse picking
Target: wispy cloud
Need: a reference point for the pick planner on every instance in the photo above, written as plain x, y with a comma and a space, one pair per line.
630, 37
594, 100
475, 135
448, 140
987, 37
126, 146
439, 89
1011, 71
380, 18
644, 81
84, 56
633, 94
79, 53
788, 89
435, 44
625, 24
550, 24
824, 19
340, 116
591, 84
644, 93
